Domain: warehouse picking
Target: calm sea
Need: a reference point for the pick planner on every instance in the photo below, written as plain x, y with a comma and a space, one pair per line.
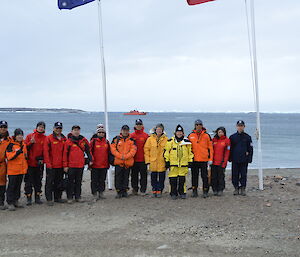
280, 132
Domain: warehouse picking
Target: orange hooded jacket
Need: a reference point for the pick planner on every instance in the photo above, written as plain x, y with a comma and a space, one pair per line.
124, 150
16, 155
201, 146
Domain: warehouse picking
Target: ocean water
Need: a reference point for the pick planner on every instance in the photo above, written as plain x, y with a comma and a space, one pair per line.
280, 132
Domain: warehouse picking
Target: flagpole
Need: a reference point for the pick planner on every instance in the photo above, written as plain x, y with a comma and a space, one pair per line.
256, 97
104, 84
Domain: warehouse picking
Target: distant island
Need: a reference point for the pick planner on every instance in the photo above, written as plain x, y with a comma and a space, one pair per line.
61, 110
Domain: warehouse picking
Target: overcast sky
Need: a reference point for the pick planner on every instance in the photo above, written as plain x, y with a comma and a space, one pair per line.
161, 55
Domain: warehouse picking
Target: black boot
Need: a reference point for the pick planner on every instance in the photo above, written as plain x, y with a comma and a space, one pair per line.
236, 191
243, 191
195, 192
205, 194
38, 199
29, 201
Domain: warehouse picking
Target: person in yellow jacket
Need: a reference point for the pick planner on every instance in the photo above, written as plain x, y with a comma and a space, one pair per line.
4, 142
154, 157
179, 157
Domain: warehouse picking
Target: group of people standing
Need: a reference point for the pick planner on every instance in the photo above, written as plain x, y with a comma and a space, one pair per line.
133, 155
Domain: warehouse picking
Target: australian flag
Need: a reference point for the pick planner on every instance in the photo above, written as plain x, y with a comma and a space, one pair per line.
70, 4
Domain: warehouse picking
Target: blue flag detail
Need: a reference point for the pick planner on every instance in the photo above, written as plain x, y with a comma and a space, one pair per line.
70, 4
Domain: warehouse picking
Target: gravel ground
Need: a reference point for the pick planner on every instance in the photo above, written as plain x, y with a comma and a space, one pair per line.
264, 223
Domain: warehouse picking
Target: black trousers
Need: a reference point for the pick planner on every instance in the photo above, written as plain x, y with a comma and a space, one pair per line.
74, 183
121, 179
158, 180
139, 168
2, 194
54, 178
239, 174
98, 177
217, 178
33, 180
13, 192
177, 185
196, 168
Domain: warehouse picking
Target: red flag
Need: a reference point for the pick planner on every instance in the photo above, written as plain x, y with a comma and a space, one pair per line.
193, 2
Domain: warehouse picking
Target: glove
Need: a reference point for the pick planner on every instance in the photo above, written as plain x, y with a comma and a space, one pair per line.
190, 164
168, 165
20, 150
209, 163
148, 166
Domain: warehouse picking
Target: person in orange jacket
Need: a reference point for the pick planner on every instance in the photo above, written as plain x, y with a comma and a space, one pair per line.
16, 155
221, 144
203, 155
53, 158
4, 141
123, 148
139, 167
33, 178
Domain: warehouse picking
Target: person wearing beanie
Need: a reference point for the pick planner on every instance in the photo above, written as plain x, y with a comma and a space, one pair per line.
241, 154
203, 154
53, 157
123, 148
75, 149
35, 148
4, 142
178, 156
100, 149
154, 158
221, 144
16, 155
139, 169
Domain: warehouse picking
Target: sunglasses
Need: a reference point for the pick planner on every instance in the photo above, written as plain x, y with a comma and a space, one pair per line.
3, 126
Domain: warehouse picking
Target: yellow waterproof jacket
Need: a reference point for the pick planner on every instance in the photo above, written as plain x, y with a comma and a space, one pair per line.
154, 152
179, 154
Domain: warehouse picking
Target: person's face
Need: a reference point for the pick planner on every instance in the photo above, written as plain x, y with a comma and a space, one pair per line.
76, 132
179, 134
125, 132
40, 129
3, 129
100, 134
159, 131
240, 128
198, 127
19, 138
58, 130
220, 133
139, 126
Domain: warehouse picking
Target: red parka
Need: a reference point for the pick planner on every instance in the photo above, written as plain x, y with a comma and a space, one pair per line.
35, 150
221, 151
74, 150
53, 151
140, 138
100, 149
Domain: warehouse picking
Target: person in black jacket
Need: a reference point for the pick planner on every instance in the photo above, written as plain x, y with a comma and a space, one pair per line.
241, 154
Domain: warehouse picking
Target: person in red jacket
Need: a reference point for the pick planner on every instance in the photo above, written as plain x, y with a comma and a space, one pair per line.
100, 149
139, 166
221, 145
35, 148
53, 157
74, 160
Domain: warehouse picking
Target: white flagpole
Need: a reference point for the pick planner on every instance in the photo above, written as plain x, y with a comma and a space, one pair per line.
104, 84
256, 96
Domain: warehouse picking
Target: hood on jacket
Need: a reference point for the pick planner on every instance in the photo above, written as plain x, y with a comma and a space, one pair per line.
74, 139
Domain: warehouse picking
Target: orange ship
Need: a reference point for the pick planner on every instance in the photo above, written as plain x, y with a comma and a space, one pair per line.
135, 112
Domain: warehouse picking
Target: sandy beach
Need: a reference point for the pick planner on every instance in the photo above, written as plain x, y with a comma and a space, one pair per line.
264, 223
